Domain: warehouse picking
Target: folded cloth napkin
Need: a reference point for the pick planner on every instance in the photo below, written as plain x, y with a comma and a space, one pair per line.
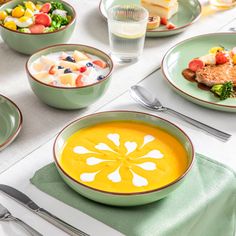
204, 205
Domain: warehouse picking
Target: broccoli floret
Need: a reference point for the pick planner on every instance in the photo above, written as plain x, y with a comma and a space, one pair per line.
224, 91
56, 5
58, 21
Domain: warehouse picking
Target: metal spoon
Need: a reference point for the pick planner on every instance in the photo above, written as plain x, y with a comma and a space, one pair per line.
144, 97
5, 215
233, 29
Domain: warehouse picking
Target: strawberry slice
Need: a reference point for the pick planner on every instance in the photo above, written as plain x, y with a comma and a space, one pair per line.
37, 29
100, 63
79, 82
170, 26
46, 7
195, 65
83, 69
43, 19
221, 58
164, 21
52, 70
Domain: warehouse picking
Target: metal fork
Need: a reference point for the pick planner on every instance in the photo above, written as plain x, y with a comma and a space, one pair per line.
5, 215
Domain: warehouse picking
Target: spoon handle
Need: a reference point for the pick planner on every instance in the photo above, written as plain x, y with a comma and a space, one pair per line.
217, 133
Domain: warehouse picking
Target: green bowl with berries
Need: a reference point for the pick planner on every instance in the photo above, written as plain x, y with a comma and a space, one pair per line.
27, 26
69, 76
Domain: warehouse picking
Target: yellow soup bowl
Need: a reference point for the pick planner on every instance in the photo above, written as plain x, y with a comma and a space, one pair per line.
123, 158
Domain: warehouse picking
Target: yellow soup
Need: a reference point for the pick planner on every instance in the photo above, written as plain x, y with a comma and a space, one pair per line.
123, 157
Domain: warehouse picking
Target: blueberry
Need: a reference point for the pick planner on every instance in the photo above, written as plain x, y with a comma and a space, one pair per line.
60, 67
70, 59
66, 71
89, 64
100, 77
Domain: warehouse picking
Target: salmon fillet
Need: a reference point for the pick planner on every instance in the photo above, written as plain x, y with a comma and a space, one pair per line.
216, 74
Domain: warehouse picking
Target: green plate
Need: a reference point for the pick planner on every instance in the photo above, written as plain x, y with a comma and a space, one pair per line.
189, 12
10, 121
177, 59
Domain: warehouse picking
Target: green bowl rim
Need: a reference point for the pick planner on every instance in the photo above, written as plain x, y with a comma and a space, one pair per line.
125, 194
167, 30
177, 88
68, 88
62, 29
19, 126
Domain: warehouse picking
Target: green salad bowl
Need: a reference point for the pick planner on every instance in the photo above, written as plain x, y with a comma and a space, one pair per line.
116, 198
10, 121
28, 43
69, 98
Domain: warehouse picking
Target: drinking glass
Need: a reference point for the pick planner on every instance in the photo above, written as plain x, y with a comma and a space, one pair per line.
223, 3
127, 28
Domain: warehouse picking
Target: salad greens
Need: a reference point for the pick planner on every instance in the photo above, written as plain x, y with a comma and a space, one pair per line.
56, 6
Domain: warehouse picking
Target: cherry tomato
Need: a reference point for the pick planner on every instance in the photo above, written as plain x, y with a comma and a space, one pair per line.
164, 21
37, 29
46, 7
43, 19
221, 58
195, 65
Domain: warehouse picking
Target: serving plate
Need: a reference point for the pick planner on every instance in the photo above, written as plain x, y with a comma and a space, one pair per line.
177, 59
117, 198
10, 121
189, 12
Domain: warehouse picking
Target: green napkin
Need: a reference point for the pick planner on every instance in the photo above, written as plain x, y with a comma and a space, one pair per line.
204, 205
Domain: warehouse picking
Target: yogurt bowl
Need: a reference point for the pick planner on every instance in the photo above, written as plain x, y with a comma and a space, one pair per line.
123, 158
69, 76
28, 43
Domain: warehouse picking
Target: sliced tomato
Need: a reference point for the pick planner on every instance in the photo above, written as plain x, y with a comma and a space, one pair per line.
78, 81
46, 7
37, 29
221, 58
195, 65
164, 21
100, 63
43, 19
170, 26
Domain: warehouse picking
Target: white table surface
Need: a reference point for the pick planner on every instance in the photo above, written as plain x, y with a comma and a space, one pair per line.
33, 148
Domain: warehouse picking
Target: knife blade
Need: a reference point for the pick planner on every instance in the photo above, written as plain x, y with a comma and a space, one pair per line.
32, 206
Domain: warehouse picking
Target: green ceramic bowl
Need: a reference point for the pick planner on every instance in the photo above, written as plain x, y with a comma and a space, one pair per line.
121, 199
10, 121
29, 43
69, 98
178, 58
189, 12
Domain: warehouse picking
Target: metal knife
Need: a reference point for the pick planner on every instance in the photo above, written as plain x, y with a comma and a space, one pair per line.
32, 206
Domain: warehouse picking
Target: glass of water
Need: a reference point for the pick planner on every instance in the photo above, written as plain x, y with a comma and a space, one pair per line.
223, 3
127, 28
